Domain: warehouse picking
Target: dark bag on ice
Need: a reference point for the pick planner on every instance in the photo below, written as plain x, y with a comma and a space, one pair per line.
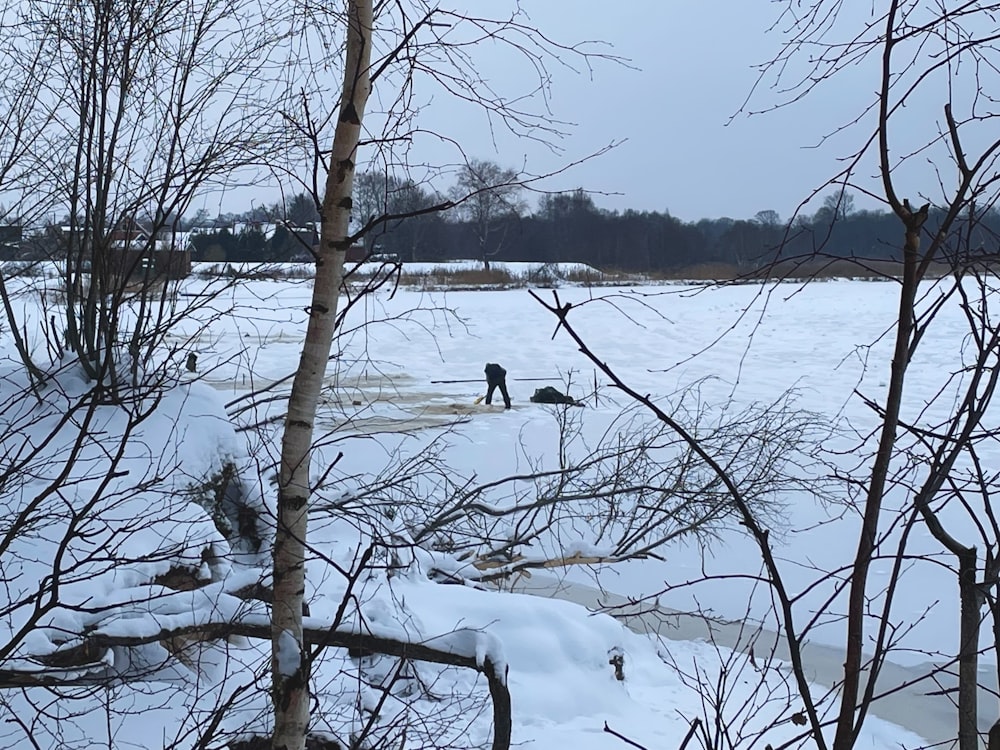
549, 395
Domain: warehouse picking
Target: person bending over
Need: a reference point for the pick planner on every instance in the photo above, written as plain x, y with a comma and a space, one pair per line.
496, 377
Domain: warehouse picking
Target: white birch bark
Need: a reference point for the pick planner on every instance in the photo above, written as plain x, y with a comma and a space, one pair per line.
290, 686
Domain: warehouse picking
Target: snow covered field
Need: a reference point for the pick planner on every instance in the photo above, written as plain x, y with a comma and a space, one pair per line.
697, 350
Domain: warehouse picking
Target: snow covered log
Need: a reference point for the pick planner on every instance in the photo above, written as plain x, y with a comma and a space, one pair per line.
471, 649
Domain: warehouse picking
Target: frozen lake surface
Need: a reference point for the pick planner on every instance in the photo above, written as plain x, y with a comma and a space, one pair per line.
407, 374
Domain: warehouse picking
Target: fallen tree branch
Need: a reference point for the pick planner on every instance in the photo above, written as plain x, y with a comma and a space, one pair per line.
452, 649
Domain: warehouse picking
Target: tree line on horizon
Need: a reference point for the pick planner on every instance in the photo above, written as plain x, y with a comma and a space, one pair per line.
486, 217
495, 223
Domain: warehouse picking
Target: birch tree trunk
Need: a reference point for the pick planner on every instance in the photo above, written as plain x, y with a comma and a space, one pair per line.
290, 666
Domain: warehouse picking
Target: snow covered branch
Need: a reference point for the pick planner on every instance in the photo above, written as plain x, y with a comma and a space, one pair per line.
637, 490
466, 648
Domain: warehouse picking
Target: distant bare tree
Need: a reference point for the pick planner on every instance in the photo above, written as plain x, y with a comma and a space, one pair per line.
768, 218
836, 207
380, 197
489, 198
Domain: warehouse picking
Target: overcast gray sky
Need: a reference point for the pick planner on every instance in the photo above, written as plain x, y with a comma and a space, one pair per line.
686, 149
693, 70
676, 106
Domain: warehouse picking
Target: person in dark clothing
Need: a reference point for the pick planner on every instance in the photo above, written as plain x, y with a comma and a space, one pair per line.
496, 377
